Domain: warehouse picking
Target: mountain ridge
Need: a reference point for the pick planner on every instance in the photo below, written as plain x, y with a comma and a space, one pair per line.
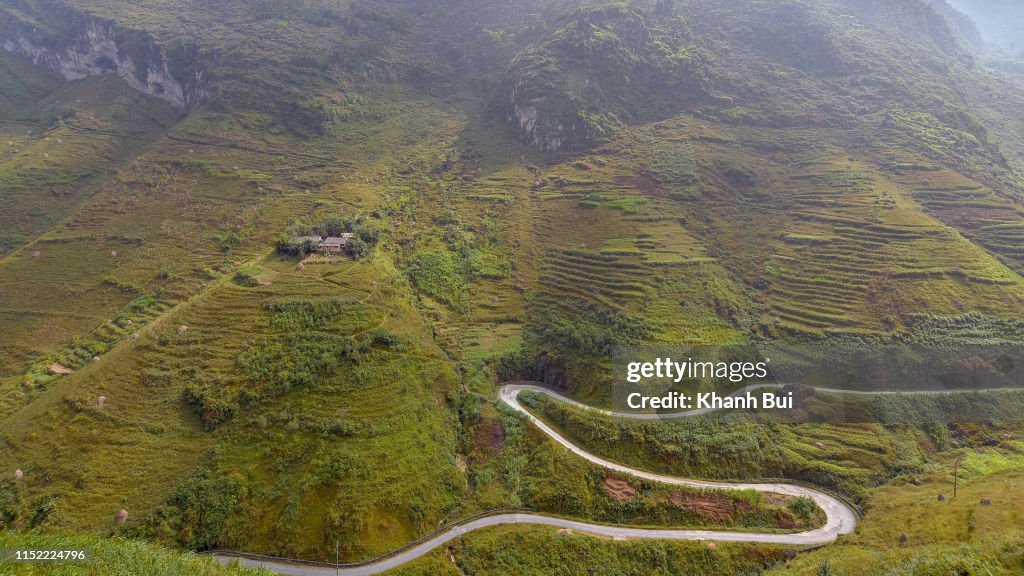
838, 172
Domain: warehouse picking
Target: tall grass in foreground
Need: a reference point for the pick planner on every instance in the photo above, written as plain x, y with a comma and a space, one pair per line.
114, 557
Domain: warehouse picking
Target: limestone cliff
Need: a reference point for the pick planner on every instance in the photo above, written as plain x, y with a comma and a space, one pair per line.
88, 47
596, 69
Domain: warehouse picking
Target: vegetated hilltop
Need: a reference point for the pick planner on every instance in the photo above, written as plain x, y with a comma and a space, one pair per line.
999, 20
539, 182
963, 27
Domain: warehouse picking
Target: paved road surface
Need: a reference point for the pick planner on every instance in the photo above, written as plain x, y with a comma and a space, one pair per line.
840, 519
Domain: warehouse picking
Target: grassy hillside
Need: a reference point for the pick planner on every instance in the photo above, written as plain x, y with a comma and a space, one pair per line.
828, 172
543, 551
60, 142
114, 557
198, 230
976, 532
23, 84
956, 535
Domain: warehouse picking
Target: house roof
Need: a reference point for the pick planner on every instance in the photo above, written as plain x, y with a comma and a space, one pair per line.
337, 240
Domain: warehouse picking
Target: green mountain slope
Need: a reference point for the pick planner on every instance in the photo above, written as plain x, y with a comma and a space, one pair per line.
999, 20
61, 142
539, 182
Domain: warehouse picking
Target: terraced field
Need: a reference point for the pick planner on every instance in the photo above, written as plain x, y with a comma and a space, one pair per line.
58, 143
606, 240
843, 247
609, 280
838, 246
152, 352
848, 267
158, 231
198, 345
36, 310
993, 221
158, 355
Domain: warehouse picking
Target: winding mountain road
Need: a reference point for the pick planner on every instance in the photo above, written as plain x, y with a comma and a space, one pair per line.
840, 518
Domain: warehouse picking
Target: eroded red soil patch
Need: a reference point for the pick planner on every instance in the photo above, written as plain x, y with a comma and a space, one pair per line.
643, 182
711, 507
618, 488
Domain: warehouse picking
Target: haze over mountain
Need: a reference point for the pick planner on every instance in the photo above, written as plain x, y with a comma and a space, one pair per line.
1000, 21
527, 185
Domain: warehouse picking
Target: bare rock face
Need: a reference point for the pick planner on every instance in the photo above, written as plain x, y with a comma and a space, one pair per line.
543, 132
97, 47
594, 70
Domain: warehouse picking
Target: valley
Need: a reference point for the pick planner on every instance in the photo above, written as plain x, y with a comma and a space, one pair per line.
532, 185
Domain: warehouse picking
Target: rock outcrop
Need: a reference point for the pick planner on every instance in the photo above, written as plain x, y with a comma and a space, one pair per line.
90, 47
544, 124
595, 70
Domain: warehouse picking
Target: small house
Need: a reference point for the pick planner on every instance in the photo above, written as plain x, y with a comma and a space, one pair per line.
335, 244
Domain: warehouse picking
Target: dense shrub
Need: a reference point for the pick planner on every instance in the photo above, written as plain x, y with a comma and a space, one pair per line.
200, 509
437, 274
293, 241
